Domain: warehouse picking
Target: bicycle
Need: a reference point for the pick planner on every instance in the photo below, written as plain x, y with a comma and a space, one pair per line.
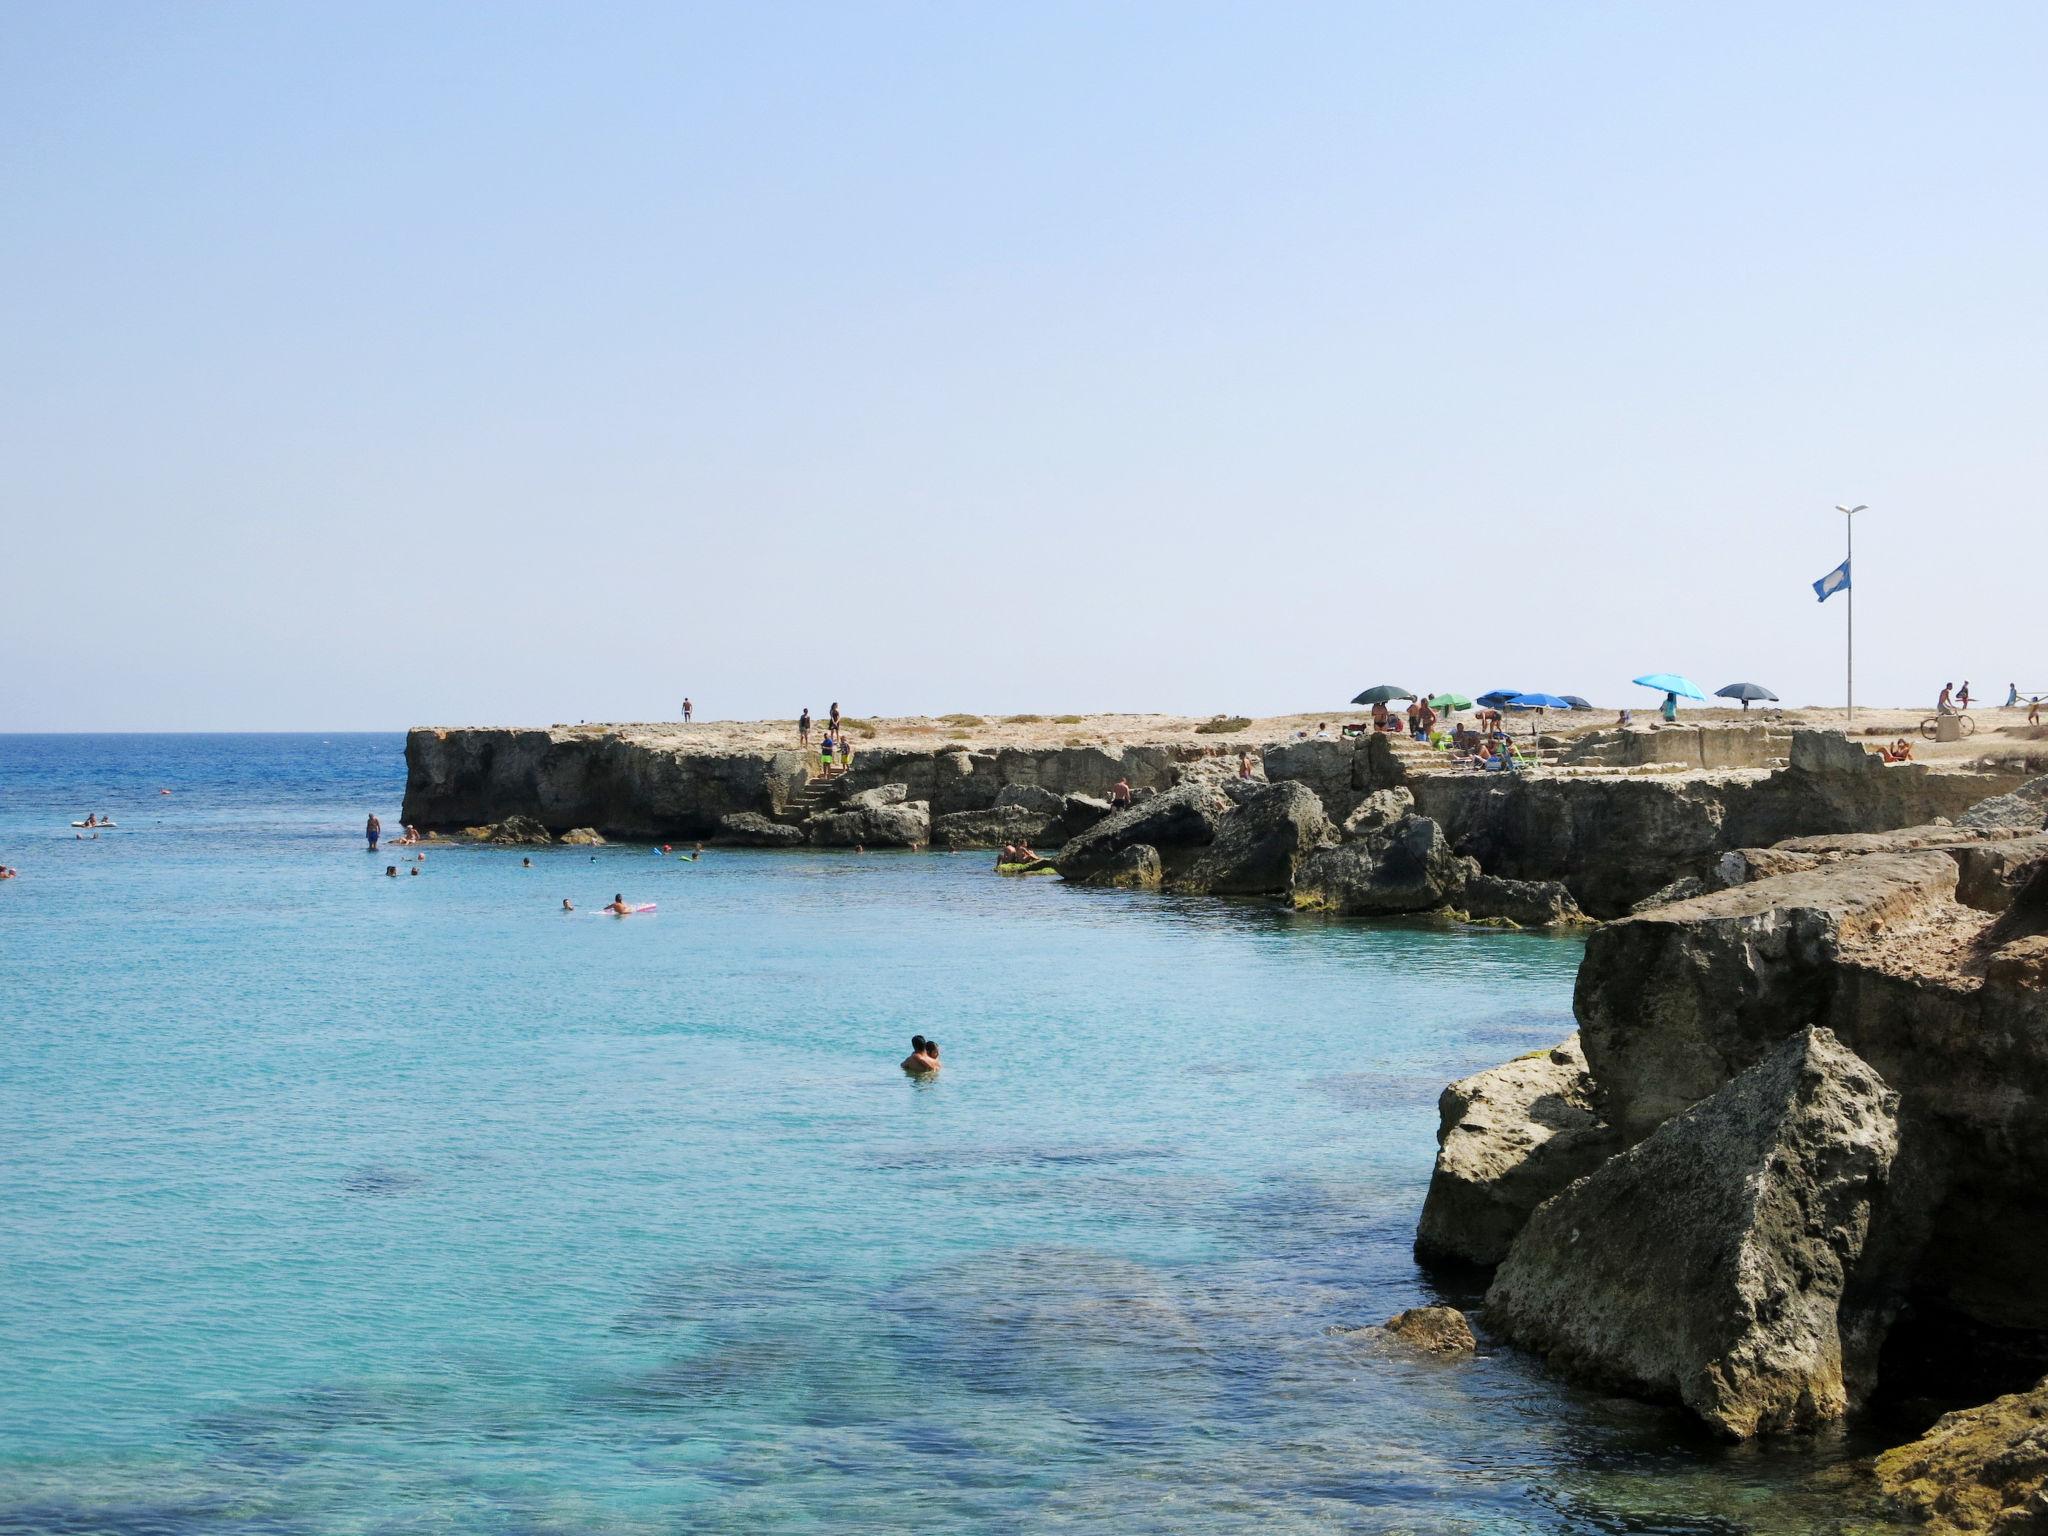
1932, 724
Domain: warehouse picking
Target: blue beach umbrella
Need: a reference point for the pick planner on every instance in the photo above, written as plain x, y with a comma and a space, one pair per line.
1499, 696
1576, 702
1671, 682
1538, 701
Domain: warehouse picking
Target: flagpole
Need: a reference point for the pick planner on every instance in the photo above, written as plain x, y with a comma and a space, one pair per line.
1848, 571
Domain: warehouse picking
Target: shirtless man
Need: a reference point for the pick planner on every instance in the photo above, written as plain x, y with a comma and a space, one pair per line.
568, 905
617, 906
373, 829
1120, 794
923, 1059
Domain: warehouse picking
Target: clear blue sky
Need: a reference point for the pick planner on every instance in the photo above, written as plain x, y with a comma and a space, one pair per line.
366, 365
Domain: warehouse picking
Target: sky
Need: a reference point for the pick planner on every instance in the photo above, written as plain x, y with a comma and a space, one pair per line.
372, 365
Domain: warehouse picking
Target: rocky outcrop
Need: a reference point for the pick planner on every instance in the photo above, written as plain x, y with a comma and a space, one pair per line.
1433, 1330
1404, 867
1711, 1262
1035, 798
1943, 999
1077, 814
750, 829
996, 827
1174, 824
2023, 810
882, 817
1507, 1140
1259, 844
1521, 903
513, 832
1982, 1470
582, 837
1615, 841
1380, 808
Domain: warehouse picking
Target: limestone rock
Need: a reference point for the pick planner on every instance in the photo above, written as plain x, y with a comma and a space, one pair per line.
2025, 808
1674, 1002
882, 817
1709, 1263
1136, 868
1258, 845
582, 837
750, 829
1078, 813
1033, 797
1981, 1470
1174, 823
1381, 808
992, 828
517, 831
1525, 903
1433, 1330
1404, 867
1684, 888
1507, 1140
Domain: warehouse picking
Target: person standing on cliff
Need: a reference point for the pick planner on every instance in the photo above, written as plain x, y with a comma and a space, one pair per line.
373, 829
686, 709
803, 727
835, 717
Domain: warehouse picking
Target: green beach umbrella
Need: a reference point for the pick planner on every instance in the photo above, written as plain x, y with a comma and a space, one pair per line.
1449, 701
1383, 693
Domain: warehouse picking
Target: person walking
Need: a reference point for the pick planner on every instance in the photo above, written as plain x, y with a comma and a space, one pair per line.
1963, 695
803, 727
686, 709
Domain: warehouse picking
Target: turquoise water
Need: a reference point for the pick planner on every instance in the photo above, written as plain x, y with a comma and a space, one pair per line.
336, 1203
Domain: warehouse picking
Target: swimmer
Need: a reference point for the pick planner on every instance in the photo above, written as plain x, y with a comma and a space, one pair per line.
526, 863
617, 907
414, 871
568, 905
391, 870
922, 1058
860, 847
696, 853
7, 873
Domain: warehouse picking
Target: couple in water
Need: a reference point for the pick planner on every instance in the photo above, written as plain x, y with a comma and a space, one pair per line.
923, 1059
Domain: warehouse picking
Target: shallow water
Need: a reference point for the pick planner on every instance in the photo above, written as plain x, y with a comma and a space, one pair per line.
336, 1203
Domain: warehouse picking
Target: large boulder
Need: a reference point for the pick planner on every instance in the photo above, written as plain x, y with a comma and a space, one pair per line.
993, 828
1032, 797
1258, 846
515, 831
1405, 867
750, 829
1380, 808
1507, 1140
1433, 1330
881, 817
1327, 768
1981, 1470
1674, 1002
1077, 814
1524, 903
1175, 823
1710, 1262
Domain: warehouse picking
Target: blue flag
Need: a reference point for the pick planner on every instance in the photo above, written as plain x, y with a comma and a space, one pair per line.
1835, 581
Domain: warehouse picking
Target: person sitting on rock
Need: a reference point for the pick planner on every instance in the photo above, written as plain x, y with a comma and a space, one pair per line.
1120, 794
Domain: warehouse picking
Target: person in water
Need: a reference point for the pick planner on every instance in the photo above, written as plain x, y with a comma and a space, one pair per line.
391, 870
527, 862
373, 829
923, 1059
617, 906
696, 853
7, 873
568, 905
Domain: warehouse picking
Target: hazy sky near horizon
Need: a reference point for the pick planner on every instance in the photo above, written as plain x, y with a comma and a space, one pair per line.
372, 365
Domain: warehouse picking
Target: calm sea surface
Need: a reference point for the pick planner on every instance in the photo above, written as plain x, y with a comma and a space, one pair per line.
336, 1203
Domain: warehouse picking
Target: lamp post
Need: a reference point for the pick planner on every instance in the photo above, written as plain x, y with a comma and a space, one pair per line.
1848, 560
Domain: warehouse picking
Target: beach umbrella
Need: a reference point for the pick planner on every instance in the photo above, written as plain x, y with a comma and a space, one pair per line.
1383, 693
1671, 682
1576, 702
1451, 701
1498, 697
1745, 692
1538, 701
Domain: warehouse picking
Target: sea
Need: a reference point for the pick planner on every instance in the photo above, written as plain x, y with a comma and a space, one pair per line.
332, 1202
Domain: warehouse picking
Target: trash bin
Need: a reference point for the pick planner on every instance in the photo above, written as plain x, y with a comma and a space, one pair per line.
1948, 727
